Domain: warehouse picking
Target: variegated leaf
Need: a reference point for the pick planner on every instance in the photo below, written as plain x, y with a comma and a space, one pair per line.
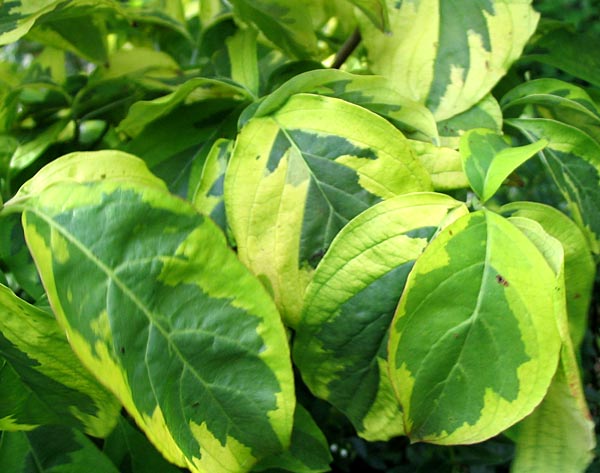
559, 434
488, 159
296, 177
375, 93
480, 287
208, 198
162, 312
579, 266
449, 54
556, 100
443, 164
572, 158
341, 341
41, 380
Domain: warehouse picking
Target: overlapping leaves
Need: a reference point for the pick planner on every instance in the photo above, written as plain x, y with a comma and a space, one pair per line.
298, 175
341, 341
135, 333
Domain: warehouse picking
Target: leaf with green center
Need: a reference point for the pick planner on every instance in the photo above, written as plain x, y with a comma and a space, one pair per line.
479, 287
296, 177
488, 160
572, 158
163, 313
449, 54
42, 382
557, 100
51, 449
341, 341
579, 266
286, 24
375, 93
559, 434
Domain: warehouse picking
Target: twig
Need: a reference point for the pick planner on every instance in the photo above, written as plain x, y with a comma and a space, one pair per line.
347, 48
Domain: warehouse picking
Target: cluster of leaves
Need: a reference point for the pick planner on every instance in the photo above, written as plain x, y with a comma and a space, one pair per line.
217, 246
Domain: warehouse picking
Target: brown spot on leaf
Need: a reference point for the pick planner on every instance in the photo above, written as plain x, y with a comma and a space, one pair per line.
501, 280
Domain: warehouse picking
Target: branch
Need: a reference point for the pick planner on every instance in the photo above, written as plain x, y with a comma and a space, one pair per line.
347, 48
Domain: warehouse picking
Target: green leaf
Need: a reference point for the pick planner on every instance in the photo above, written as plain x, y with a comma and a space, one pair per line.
28, 152
570, 51
341, 341
376, 11
488, 159
296, 177
209, 198
557, 100
15, 257
480, 287
131, 452
308, 452
559, 434
449, 54
42, 382
579, 266
572, 158
51, 449
161, 297
244, 62
286, 24
375, 93
195, 90
443, 164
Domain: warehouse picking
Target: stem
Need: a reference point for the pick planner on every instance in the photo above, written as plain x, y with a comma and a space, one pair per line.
347, 49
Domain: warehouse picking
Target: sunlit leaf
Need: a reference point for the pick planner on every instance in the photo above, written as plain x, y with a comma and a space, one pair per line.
172, 303
341, 341
449, 54
443, 164
480, 287
296, 177
559, 434
579, 267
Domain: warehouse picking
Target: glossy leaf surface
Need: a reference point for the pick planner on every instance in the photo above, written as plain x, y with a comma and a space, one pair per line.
579, 267
296, 177
449, 54
42, 382
375, 93
196, 317
559, 434
341, 341
480, 286
572, 158
488, 160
